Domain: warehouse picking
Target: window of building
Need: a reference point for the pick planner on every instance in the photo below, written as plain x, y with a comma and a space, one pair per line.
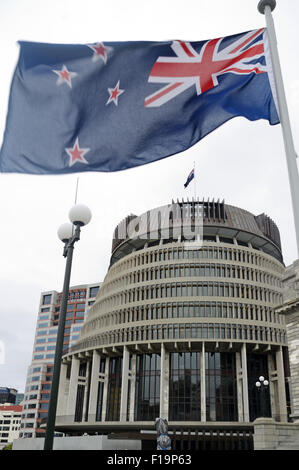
221, 392
80, 306
100, 401
79, 314
44, 317
47, 299
46, 387
257, 365
43, 406
147, 395
114, 389
184, 387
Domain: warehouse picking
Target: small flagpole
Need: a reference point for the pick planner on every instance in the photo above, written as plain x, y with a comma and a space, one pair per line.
76, 194
194, 181
266, 7
76, 197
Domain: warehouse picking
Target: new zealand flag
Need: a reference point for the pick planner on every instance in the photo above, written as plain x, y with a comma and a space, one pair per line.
111, 106
190, 178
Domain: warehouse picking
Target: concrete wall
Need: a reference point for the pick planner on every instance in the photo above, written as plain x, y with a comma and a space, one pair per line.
271, 435
78, 443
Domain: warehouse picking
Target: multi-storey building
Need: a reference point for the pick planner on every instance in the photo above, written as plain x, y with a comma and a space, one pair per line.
8, 395
182, 330
19, 398
40, 371
10, 419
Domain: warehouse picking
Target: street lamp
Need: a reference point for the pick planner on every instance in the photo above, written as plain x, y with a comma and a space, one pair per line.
69, 233
262, 385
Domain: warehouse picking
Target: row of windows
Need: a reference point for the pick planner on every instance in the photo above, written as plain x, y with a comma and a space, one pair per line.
215, 252
43, 356
44, 348
199, 289
47, 332
74, 294
46, 340
186, 310
193, 270
186, 331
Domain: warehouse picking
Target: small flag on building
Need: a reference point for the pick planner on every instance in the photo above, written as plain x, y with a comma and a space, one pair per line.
190, 178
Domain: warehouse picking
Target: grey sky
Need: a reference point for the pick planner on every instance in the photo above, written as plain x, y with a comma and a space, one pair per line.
242, 161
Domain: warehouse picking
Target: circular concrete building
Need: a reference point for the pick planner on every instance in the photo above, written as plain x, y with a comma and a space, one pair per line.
183, 326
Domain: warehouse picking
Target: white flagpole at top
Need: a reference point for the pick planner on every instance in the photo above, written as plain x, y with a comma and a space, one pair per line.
266, 7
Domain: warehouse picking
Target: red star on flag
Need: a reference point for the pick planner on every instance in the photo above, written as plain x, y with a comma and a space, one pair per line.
100, 51
114, 94
76, 153
65, 76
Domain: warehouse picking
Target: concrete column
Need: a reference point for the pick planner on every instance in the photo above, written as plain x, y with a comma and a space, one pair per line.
63, 390
133, 388
71, 404
239, 386
282, 402
164, 383
94, 385
273, 389
105, 391
85, 403
244, 383
124, 385
203, 384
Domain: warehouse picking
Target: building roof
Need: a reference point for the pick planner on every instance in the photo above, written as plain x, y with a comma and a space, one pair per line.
17, 408
214, 217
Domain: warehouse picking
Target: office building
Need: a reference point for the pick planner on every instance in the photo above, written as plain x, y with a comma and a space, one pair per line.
40, 372
8, 395
19, 398
10, 419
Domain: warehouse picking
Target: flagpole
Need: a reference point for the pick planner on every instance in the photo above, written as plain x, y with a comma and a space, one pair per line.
76, 192
266, 7
194, 181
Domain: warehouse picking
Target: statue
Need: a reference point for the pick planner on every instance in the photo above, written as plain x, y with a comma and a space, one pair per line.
163, 440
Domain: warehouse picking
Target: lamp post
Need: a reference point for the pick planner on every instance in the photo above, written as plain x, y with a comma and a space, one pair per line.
69, 234
262, 385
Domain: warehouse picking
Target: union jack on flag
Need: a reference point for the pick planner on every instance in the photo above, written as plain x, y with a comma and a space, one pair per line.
201, 69
109, 106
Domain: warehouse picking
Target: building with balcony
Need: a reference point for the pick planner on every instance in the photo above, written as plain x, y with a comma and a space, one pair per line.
183, 326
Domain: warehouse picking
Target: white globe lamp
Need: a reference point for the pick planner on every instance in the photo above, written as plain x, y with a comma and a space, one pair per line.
80, 215
65, 232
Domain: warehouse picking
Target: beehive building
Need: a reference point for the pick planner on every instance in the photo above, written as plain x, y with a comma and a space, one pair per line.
182, 327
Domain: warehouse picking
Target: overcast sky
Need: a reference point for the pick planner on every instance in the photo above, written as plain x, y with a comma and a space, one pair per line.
242, 162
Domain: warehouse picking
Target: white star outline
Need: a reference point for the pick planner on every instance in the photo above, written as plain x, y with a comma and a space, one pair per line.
100, 55
80, 153
112, 98
64, 79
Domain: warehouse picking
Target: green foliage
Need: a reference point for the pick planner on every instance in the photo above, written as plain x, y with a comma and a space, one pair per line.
8, 447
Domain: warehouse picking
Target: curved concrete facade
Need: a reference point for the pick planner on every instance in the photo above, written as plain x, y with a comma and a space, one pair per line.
181, 329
